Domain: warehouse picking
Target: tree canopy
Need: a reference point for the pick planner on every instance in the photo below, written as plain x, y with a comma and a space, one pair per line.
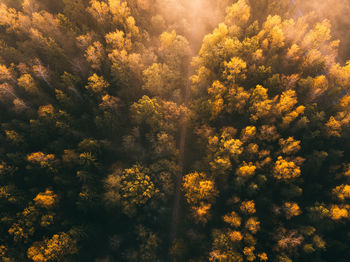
146, 130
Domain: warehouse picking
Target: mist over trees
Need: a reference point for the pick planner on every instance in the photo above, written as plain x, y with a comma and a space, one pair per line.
150, 130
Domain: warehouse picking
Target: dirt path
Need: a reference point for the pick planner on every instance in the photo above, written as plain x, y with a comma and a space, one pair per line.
176, 214
182, 144
200, 11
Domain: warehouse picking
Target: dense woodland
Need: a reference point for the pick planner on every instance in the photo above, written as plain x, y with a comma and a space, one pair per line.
153, 130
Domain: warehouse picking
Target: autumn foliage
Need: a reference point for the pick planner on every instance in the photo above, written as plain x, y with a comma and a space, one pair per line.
132, 133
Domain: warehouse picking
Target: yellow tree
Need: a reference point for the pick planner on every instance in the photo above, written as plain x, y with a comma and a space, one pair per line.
260, 95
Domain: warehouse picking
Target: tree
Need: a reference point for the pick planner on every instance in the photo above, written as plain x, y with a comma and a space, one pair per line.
133, 187
55, 248
250, 87
117, 144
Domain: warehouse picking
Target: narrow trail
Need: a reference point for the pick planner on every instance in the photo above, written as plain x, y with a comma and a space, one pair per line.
202, 16
175, 220
182, 145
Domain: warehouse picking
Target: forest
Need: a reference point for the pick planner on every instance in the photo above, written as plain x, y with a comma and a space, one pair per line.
174, 130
